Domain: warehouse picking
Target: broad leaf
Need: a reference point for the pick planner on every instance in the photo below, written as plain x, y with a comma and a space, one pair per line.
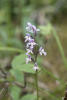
19, 76
29, 97
15, 92
19, 63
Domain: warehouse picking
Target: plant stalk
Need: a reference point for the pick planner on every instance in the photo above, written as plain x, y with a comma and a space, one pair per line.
36, 77
60, 48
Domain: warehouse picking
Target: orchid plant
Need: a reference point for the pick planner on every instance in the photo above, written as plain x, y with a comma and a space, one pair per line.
33, 49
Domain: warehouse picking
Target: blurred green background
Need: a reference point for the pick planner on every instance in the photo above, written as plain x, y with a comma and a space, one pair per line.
51, 17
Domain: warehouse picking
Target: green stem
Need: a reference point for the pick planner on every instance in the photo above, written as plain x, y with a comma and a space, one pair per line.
36, 77
60, 48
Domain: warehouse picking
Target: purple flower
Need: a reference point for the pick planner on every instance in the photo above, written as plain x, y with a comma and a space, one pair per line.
31, 28
27, 37
35, 30
30, 46
36, 67
29, 51
28, 59
31, 43
41, 51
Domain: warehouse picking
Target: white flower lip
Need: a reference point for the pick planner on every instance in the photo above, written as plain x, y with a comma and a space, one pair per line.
41, 51
28, 59
35, 67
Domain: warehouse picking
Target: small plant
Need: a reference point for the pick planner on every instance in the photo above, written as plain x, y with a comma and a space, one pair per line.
33, 49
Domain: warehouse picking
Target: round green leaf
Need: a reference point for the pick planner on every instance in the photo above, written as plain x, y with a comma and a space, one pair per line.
19, 63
